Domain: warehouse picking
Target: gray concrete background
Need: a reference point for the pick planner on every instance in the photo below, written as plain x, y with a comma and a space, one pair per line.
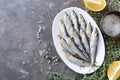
20, 51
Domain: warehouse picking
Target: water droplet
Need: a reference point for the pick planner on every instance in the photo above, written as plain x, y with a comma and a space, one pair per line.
40, 30
41, 70
39, 41
37, 33
40, 52
32, 12
38, 37
40, 22
44, 28
36, 62
49, 62
56, 63
49, 68
23, 63
24, 72
25, 52
44, 50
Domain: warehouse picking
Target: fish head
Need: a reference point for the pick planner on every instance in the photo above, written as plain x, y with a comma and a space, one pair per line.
65, 16
81, 31
89, 26
69, 41
80, 17
61, 39
67, 54
94, 34
95, 31
73, 14
61, 23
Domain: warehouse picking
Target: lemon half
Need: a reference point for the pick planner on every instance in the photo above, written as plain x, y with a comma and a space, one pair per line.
95, 5
113, 72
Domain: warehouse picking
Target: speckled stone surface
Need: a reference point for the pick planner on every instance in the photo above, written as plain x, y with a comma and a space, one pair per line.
21, 54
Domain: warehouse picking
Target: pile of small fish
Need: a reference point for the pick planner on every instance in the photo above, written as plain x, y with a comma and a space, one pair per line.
78, 39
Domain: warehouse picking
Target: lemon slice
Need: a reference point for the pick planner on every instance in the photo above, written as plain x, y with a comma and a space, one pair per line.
114, 70
95, 5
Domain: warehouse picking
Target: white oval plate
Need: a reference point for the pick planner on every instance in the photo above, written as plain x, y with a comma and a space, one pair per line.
100, 49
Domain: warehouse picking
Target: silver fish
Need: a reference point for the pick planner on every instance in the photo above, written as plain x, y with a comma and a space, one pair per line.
84, 40
75, 60
93, 45
72, 32
89, 30
82, 22
64, 44
62, 28
75, 21
75, 50
67, 22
